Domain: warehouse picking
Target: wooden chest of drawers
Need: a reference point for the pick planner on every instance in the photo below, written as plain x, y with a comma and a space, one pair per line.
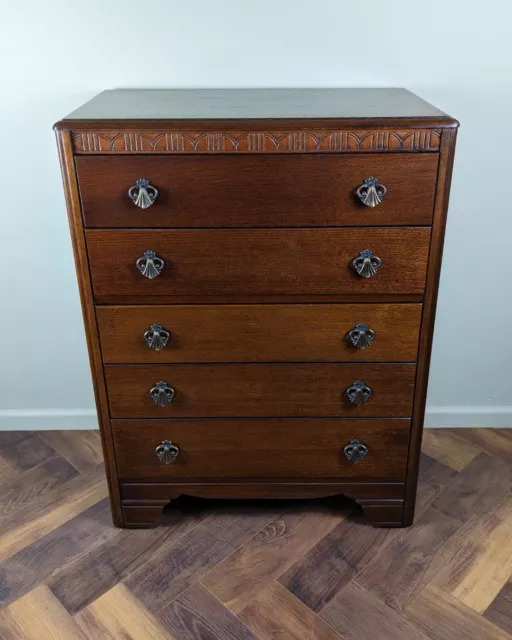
258, 272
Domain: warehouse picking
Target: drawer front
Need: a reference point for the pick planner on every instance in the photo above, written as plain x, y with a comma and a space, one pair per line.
261, 449
260, 333
259, 390
257, 261
261, 191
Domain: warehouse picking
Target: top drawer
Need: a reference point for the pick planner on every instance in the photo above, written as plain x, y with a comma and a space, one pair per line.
257, 191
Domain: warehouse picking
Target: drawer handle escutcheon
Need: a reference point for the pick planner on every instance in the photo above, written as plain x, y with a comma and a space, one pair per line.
157, 337
162, 394
371, 192
358, 393
143, 193
366, 264
361, 336
167, 452
150, 265
355, 451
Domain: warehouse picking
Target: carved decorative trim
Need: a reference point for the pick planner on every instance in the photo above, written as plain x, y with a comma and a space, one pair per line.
100, 142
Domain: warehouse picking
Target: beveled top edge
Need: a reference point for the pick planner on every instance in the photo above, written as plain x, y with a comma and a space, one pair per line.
214, 105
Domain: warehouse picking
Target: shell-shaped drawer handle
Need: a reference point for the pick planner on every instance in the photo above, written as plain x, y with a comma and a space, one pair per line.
355, 451
167, 452
371, 192
143, 193
162, 394
366, 264
358, 393
157, 337
361, 336
150, 265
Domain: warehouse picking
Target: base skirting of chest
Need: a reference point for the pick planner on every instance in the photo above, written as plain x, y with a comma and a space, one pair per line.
382, 502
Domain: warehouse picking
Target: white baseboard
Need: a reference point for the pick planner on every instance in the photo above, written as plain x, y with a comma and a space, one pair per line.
477, 416
47, 419
70, 419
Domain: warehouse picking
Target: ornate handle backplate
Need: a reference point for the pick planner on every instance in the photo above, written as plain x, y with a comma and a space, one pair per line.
150, 265
162, 394
361, 336
371, 192
167, 452
366, 264
355, 451
358, 393
143, 193
157, 337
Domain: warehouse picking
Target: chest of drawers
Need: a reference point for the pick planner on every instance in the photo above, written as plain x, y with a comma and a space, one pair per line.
258, 272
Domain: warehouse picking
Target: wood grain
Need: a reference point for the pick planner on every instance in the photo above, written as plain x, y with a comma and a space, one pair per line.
38, 615
444, 177
492, 441
478, 562
405, 577
179, 564
433, 478
241, 576
261, 191
35, 563
33, 485
260, 390
81, 448
118, 616
205, 108
275, 613
356, 614
24, 449
477, 489
449, 447
301, 449
499, 611
319, 575
230, 262
264, 333
52, 510
442, 617
72, 196
100, 569
196, 613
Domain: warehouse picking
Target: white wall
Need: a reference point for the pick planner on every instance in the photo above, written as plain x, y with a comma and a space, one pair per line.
56, 54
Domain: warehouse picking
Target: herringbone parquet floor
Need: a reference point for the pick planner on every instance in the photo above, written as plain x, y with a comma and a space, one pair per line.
270, 570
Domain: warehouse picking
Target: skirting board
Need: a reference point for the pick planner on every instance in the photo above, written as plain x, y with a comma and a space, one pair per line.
70, 419
48, 419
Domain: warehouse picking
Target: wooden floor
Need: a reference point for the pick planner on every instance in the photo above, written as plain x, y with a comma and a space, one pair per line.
237, 570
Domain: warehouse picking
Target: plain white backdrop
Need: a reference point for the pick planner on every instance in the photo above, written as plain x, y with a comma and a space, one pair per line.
54, 55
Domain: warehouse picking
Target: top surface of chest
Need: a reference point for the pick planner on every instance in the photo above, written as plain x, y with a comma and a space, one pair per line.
205, 104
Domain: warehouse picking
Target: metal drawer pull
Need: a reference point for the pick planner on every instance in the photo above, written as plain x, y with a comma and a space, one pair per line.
150, 265
361, 336
162, 394
371, 192
355, 451
143, 193
358, 393
157, 337
366, 264
167, 452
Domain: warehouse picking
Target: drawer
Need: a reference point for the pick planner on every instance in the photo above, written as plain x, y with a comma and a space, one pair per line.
260, 333
257, 191
259, 390
261, 449
257, 262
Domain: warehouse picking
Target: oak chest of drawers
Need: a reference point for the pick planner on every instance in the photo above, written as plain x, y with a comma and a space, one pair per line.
258, 272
